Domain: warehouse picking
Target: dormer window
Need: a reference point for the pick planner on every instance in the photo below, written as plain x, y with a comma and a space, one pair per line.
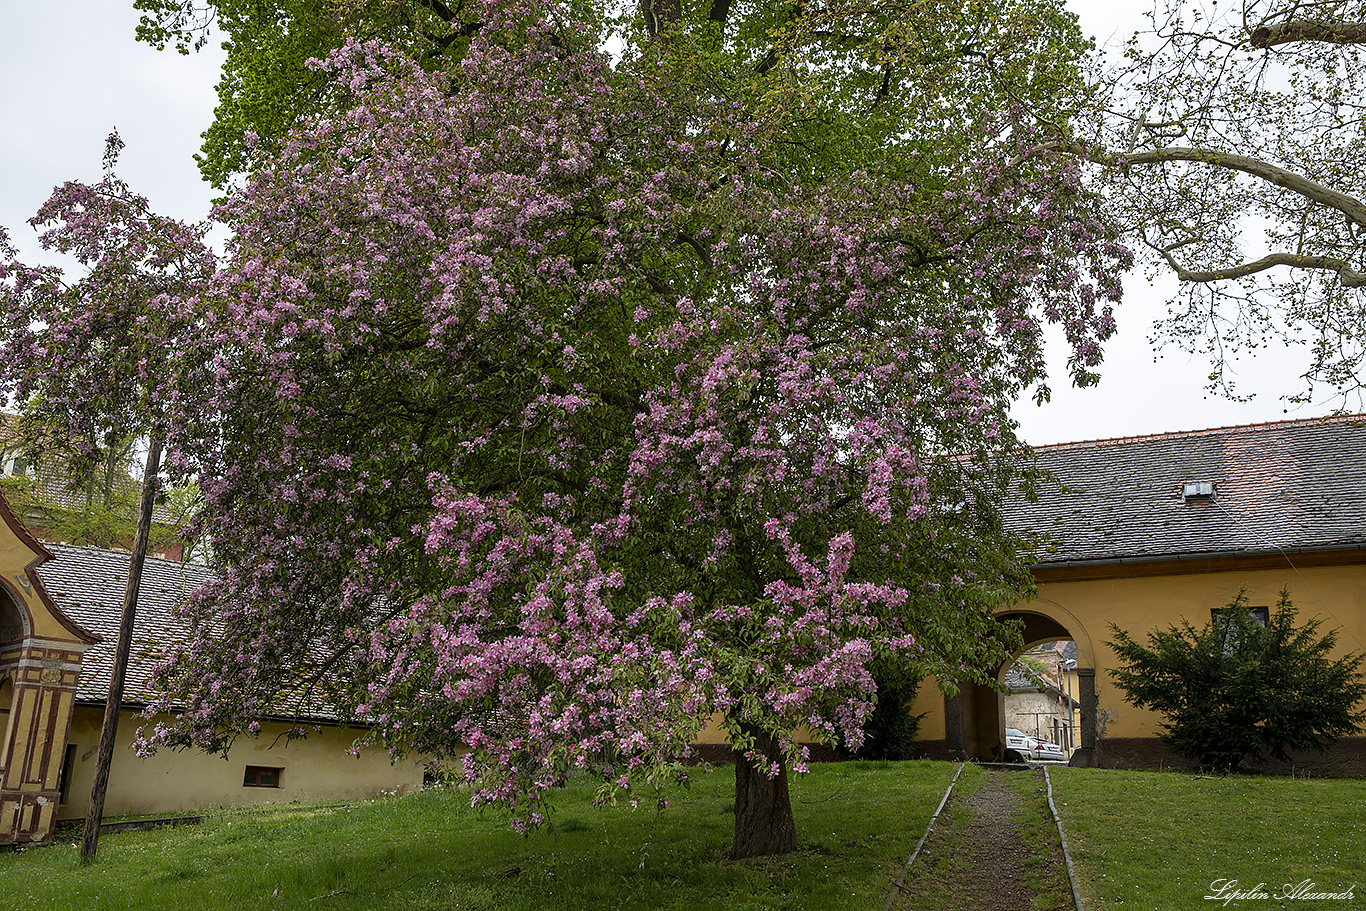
1197, 492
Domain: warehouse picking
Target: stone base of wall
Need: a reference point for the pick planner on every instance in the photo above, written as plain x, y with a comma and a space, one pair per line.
1344, 759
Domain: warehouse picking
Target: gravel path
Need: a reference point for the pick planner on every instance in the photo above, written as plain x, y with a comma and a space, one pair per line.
991, 850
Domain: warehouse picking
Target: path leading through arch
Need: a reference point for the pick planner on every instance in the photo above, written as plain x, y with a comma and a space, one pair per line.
994, 848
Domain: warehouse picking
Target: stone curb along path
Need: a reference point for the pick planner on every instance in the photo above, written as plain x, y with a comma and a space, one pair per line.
1066, 855
980, 858
900, 880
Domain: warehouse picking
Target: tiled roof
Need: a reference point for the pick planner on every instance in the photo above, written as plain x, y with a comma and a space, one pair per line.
1293, 484
1016, 679
88, 584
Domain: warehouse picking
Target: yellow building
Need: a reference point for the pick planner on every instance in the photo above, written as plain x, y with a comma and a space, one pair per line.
59, 610
1146, 532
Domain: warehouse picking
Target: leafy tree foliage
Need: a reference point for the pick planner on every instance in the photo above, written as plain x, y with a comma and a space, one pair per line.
266, 86
1235, 690
889, 730
95, 361
1234, 140
557, 402
92, 363
99, 509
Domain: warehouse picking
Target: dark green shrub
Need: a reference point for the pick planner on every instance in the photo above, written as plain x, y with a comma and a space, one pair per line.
1234, 690
889, 731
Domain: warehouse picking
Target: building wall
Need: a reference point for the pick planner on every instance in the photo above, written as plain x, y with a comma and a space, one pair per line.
1140, 603
1336, 594
318, 767
1033, 712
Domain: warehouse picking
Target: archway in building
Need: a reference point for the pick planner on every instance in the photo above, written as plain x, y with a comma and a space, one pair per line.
981, 711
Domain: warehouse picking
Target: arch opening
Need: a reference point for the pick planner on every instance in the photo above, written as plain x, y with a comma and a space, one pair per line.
1044, 706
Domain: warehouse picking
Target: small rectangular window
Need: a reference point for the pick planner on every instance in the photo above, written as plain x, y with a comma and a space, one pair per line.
259, 776
1260, 615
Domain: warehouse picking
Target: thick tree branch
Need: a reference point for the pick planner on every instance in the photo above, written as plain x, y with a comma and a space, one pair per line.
1309, 30
660, 14
1312, 190
441, 9
1346, 273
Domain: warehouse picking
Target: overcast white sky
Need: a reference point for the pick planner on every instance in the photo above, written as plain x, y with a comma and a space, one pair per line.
72, 72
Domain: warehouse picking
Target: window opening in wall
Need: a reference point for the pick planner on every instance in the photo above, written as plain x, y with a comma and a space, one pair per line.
1260, 616
64, 781
259, 776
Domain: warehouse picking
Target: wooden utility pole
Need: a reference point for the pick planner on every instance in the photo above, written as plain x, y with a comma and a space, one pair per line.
90, 840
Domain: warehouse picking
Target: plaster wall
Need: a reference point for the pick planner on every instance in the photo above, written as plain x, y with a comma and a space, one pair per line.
1139, 605
315, 768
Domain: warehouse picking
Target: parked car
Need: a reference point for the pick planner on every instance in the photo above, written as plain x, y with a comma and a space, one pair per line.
1050, 752
1020, 746
1017, 746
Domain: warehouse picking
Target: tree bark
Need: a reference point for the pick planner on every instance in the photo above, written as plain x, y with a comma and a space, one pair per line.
1334, 32
763, 810
114, 701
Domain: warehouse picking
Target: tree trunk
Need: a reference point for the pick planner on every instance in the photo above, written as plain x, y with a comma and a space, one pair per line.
763, 810
91, 837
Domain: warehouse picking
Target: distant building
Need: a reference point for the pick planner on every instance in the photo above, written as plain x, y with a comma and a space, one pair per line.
92, 509
1147, 531
1039, 694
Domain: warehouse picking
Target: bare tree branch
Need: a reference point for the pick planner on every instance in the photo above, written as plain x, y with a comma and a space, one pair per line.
1350, 277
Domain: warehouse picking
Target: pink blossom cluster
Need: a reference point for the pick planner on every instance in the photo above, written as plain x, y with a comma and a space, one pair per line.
98, 358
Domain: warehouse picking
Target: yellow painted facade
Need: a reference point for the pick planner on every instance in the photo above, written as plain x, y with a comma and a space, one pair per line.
318, 767
49, 742
40, 656
1081, 603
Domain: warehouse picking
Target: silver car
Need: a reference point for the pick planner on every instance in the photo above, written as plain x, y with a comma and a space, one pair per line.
1020, 746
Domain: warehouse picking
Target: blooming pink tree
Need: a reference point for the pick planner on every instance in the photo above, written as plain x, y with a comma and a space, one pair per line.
92, 362
559, 404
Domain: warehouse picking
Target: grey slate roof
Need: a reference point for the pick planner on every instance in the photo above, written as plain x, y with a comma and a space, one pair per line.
87, 583
1291, 484
1016, 679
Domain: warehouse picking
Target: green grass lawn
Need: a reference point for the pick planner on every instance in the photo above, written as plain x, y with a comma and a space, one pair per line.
857, 822
1160, 840
1153, 841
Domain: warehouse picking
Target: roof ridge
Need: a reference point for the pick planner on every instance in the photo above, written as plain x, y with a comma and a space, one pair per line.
90, 548
1206, 431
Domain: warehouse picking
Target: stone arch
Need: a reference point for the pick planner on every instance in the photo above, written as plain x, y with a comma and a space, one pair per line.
977, 720
1038, 613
